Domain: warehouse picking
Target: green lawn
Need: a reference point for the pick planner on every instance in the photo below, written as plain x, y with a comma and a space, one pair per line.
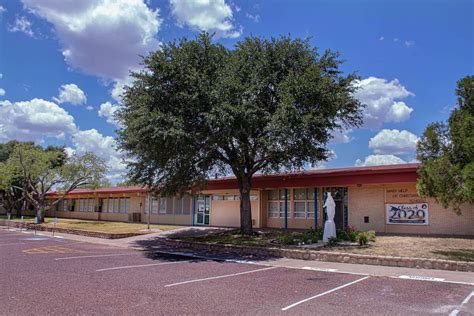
99, 226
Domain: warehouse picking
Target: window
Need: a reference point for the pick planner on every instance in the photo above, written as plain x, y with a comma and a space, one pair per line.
64, 205
85, 205
162, 206
303, 203
115, 205
124, 205
187, 204
110, 205
226, 197
178, 206
276, 204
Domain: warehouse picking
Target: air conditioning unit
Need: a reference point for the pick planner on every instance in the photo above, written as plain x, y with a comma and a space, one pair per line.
134, 217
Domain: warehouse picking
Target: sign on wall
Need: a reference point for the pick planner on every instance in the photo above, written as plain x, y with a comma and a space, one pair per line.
407, 214
402, 194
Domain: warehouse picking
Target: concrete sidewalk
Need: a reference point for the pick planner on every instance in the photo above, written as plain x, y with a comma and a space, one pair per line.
152, 242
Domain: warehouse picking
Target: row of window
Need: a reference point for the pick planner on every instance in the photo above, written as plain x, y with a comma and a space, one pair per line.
171, 205
112, 205
302, 206
116, 205
253, 197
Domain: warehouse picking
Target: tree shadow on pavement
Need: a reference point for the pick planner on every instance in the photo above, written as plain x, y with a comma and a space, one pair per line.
159, 249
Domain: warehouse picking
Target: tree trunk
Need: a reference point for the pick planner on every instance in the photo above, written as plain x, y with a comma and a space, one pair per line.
39, 214
245, 207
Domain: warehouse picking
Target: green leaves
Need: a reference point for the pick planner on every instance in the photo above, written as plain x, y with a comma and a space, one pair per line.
200, 110
447, 153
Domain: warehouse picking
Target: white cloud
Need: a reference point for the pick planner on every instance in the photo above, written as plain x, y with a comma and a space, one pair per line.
206, 15
381, 98
381, 38
2, 9
394, 142
409, 43
69, 151
104, 37
341, 136
253, 17
34, 120
119, 88
23, 25
104, 147
377, 160
108, 110
71, 93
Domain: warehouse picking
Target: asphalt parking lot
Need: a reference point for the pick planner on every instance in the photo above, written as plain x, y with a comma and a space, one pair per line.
45, 275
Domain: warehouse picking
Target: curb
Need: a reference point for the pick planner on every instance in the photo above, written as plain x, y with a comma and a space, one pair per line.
419, 263
69, 230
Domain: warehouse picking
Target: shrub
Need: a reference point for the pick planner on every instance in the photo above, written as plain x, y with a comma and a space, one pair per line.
348, 233
286, 239
352, 233
363, 238
371, 235
332, 241
312, 234
342, 234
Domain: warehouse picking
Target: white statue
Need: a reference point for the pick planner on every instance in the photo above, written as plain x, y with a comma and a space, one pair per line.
329, 226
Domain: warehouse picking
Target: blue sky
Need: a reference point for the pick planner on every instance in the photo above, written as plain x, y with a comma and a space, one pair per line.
409, 55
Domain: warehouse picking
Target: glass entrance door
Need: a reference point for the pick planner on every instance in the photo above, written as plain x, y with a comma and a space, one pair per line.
203, 209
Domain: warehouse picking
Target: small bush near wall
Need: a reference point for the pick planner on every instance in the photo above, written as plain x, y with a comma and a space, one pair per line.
286, 239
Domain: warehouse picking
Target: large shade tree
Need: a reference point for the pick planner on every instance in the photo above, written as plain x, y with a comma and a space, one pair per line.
43, 171
200, 109
446, 152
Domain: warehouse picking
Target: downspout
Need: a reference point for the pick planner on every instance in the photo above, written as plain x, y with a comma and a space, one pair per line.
315, 208
286, 208
193, 210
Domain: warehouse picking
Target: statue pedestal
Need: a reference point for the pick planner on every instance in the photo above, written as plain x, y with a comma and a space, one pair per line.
329, 230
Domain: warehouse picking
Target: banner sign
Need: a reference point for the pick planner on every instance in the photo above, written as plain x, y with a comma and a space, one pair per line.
407, 214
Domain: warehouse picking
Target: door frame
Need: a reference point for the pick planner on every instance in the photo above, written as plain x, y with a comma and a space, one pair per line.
344, 200
207, 197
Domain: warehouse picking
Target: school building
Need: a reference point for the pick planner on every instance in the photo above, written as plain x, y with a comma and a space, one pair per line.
380, 198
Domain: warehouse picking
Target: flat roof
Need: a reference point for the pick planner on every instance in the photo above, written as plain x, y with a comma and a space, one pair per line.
316, 177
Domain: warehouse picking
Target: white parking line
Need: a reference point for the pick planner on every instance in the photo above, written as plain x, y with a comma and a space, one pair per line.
465, 301
319, 269
421, 278
97, 256
142, 266
219, 277
324, 293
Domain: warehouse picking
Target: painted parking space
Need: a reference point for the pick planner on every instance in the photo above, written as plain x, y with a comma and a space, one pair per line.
109, 280
379, 295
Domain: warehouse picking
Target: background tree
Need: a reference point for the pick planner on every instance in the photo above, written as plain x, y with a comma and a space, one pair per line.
200, 110
10, 181
44, 170
446, 152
